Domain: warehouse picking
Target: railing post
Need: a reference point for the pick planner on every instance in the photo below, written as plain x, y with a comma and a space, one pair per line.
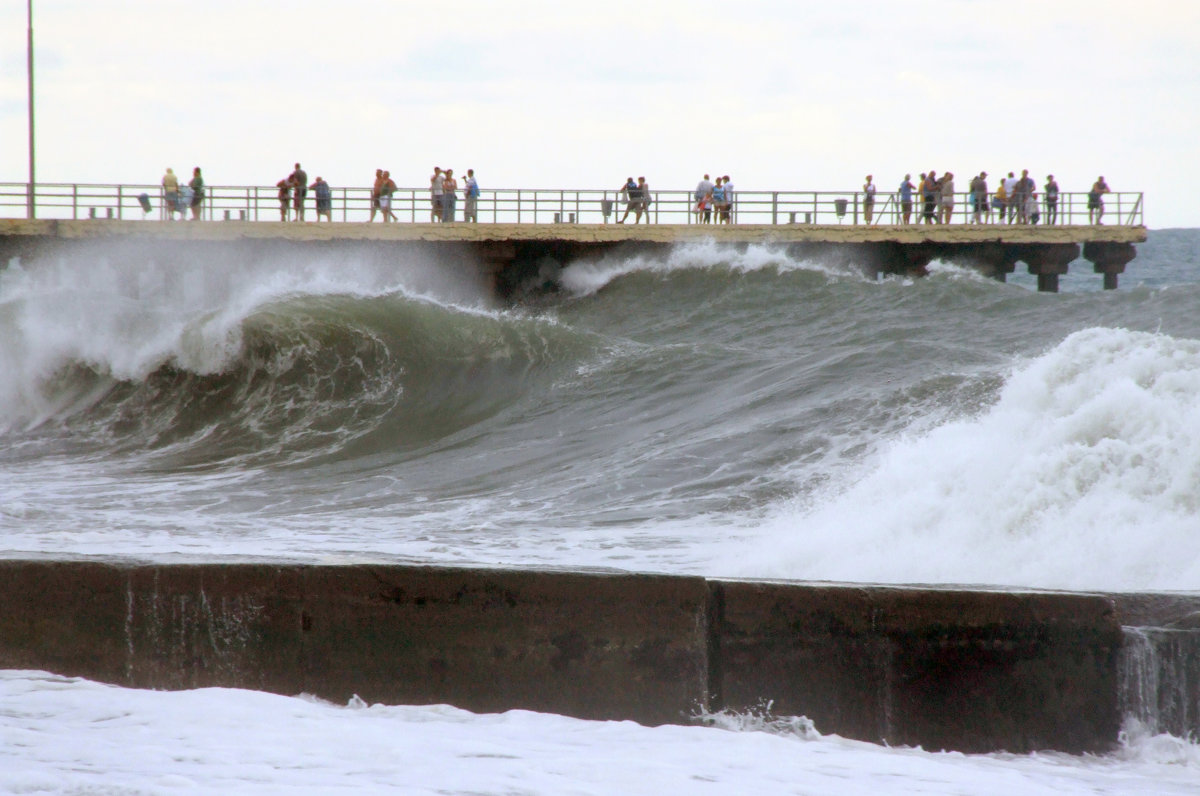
120, 200
855, 217
774, 207
74, 202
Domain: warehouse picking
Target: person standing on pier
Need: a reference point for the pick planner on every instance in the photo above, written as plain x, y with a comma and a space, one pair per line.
1051, 200
906, 194
643, 203
285, 197
170, 186
1000, 201
300, 182
718, 198
470, 197
324, 198
703, 188
929, 196
632, 198
869, 198
436, 191
1024, 189
727, 211
197, 186
947, 205
385, 197
704, 207
979, 196
449, 195
1096, 200
1010, 196
375, 190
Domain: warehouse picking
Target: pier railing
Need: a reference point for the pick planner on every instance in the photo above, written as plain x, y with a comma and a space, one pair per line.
533, 205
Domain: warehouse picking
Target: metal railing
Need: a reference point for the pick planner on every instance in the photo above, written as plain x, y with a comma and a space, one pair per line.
542, 206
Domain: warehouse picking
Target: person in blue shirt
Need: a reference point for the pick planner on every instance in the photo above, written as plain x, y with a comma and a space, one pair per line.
906, 193
633, 200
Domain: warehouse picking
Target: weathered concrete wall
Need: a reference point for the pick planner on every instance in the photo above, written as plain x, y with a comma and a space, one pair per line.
594, 646
942, 668
945, 669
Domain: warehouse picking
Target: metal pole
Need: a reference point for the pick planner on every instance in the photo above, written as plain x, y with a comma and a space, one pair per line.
29, 55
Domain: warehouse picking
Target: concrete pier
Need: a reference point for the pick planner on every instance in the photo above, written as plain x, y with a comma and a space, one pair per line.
971, 670
512, 254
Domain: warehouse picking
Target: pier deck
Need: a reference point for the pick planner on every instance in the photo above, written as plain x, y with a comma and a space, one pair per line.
505, 248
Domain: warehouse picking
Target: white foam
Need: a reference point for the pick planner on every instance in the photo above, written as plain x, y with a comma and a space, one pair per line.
1085, 474
587, 277
70, 735
126, 318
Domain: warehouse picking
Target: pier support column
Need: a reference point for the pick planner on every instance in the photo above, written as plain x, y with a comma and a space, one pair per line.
990, 259
1109, 259
910, 260
1048, 262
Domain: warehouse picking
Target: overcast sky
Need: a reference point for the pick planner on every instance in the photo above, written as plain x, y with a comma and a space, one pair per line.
788, 95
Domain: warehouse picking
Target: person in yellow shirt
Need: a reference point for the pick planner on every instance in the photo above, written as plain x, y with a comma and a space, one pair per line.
170, 186
1001, 201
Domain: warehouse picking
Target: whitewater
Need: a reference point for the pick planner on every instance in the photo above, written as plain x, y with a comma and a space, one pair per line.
724, 411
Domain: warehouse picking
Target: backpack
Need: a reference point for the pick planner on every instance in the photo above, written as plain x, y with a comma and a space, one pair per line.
473, 191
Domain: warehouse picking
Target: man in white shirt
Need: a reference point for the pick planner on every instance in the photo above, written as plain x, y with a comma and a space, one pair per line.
436, 191
703, 188
1010, 188
727, 212
471, 194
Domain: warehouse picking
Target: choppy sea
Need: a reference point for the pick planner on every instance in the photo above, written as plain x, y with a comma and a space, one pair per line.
720, 411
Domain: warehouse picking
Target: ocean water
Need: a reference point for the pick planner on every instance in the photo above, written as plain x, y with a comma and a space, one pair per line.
722, 411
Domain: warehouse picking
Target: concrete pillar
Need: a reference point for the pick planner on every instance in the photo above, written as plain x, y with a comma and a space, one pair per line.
1047, 262
1109, 259
991, 259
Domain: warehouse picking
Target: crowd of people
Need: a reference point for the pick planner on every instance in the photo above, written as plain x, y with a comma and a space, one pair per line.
293, 190
714, 198
1015, 201
190, 197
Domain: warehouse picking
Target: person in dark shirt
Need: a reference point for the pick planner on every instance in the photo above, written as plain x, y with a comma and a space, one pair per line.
197, 186
299, 179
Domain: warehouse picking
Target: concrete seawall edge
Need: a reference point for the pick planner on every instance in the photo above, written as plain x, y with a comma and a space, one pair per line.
942, 668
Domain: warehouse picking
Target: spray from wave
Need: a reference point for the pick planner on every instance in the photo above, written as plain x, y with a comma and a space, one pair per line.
1091, 454
259, 357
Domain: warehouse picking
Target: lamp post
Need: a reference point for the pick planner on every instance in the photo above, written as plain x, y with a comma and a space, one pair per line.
29, 50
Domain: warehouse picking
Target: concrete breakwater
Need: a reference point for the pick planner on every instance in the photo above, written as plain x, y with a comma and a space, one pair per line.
515, 256
971, 670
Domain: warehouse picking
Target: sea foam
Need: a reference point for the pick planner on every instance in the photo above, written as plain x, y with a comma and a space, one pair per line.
1084, 474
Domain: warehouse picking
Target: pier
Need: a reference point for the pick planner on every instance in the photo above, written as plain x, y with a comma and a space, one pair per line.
513, 255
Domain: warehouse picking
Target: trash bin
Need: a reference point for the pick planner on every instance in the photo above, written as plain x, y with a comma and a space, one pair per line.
606, 208
144, 201
839, 207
